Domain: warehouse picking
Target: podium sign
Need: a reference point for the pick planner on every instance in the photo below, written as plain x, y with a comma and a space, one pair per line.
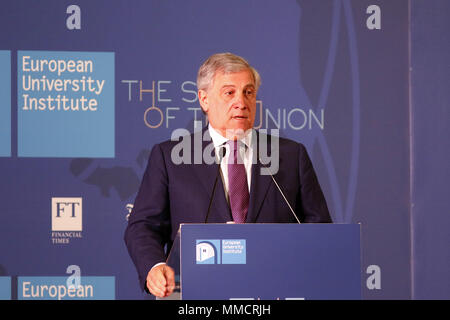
270, 261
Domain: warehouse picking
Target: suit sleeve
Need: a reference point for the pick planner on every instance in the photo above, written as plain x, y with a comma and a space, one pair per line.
312, 203
148, 227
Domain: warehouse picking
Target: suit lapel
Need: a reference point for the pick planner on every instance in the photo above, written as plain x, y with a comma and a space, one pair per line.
259, 184
207, 174
258, 190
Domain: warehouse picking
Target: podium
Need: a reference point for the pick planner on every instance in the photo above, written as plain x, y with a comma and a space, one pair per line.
267, 261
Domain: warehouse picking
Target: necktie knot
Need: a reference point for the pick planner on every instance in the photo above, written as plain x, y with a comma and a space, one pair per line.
234, 149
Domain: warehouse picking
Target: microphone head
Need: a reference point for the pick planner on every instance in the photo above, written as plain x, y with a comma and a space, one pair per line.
222, 152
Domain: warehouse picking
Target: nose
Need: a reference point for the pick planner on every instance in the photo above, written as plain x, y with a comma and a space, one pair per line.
239, 101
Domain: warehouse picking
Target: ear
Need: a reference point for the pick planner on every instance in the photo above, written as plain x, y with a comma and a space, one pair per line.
203, 99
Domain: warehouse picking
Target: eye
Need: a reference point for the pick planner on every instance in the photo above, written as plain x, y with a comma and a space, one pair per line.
249, 92
229, 92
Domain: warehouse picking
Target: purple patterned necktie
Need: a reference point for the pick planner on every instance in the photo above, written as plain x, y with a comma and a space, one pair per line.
237, 184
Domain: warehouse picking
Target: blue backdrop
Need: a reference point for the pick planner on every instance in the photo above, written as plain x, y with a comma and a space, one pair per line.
88, 87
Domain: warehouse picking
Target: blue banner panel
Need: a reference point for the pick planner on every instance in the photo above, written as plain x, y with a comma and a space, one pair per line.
5, 288
56, 288
430, 129
5, 103
274, 261
65, 104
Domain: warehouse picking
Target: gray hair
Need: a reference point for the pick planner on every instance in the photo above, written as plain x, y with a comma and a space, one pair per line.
226, 63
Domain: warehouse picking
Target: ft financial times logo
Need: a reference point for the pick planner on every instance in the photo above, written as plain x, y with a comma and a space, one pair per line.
67, 223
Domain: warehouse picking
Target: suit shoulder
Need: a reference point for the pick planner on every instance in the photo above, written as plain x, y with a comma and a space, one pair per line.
166, 145
284, 142
184, 139
170, 143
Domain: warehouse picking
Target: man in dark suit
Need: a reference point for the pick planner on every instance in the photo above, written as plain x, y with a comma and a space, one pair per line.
183, 185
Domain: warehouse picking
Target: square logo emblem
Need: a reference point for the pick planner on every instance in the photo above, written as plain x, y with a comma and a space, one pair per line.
208, 251
67, 214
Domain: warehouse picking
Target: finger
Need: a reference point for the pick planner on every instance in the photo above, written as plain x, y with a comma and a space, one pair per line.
156, 281
156, 291
157, 276
152, 288
170, 277
159, 280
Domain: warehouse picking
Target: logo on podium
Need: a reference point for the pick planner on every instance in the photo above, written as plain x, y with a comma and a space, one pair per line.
208, 252
226, 251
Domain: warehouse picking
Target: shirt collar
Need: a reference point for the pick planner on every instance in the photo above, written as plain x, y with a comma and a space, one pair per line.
219, 140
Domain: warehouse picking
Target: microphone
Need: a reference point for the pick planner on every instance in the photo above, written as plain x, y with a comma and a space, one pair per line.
222, 152
279, 189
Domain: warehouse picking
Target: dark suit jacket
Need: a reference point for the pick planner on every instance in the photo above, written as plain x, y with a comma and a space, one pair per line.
172, 194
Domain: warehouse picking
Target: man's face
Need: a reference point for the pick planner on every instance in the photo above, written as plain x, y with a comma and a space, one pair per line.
230, 103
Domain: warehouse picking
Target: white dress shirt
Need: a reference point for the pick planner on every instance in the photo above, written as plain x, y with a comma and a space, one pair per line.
245, 150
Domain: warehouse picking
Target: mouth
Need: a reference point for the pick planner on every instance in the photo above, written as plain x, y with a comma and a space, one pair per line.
240, 118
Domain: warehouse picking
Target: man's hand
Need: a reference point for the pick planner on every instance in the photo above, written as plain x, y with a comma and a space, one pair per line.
161, 281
